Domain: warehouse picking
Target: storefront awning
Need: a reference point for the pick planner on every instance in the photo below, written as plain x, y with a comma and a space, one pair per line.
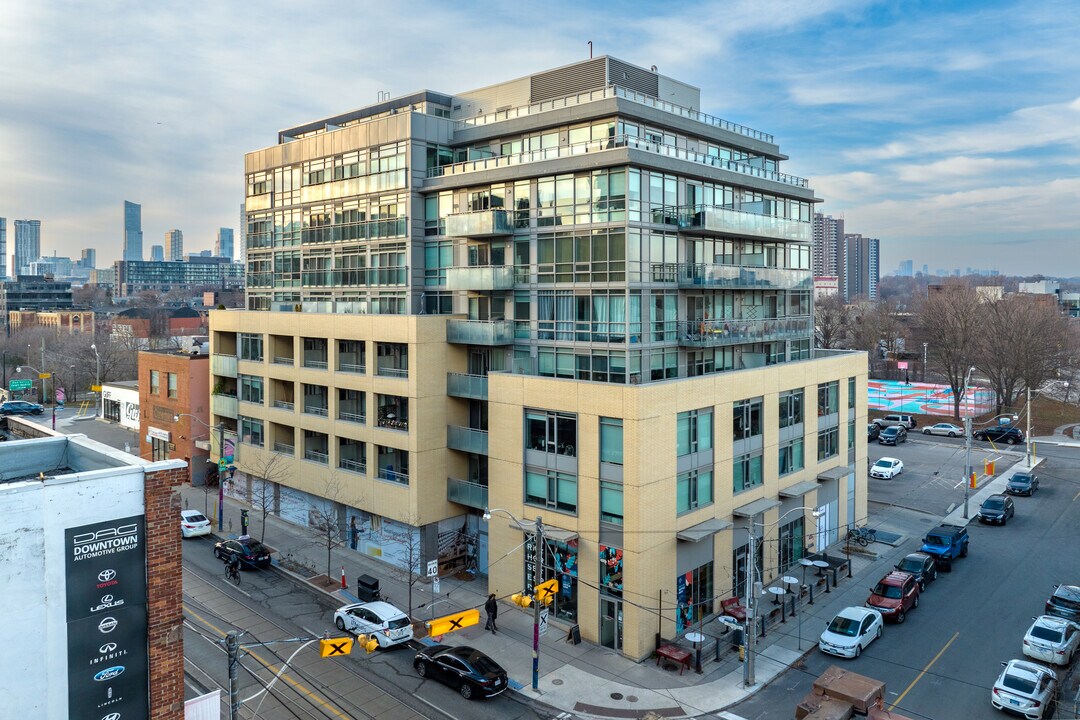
836, 473
757, 507
551, 533
703, 530
798, 489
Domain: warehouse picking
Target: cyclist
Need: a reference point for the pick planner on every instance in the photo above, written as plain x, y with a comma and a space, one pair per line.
232, 568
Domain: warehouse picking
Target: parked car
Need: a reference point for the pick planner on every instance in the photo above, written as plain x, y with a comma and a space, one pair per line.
193, 523
872, 431
908, 421
469, 671
20, 407
946, 543
893, 435
921, 565
249, 551
381, 620
1022, 484
1025, 688
887, 468
947, 429
1064, 602
996, 509
895, 595
848, 634
1052, 639
1000, 433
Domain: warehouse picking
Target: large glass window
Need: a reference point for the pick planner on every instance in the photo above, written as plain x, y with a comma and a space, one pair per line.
791, 456
560, 561
792, 536
251, 347
251, 431
693, 431
851, 393
791, 408
694, 594
611, 440
746, 472
251, 389
693, 490
171, 387
746, 419
551, 489
611, 570
828, 443
552, 432
155, 382
828, 398
611, 502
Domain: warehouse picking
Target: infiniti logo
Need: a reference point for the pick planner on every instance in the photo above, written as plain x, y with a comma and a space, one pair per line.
107, 625
106, 575
107, 648
109, 673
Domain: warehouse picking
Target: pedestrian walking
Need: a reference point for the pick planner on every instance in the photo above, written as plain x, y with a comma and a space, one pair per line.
354, 533
492, 608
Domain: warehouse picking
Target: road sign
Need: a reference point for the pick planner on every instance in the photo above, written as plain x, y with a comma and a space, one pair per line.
435, 589
335, 647
16, 385
545, 591
543, 621
457, 621
44, 376
95, 388
222, 465
433, 568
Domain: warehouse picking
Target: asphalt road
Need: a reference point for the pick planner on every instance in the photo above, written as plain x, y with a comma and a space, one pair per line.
942, 662
271, 607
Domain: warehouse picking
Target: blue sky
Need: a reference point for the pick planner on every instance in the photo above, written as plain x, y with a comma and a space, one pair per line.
950, 130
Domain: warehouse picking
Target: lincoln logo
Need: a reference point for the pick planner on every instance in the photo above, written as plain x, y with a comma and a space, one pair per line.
106, 575
109, 673
107, 648
107, 625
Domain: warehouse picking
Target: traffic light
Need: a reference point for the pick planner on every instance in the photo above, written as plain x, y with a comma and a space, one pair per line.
545, 591
368, 642
522, 599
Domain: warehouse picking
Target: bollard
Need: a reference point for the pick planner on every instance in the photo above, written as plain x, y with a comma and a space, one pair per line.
762, 626
811, 594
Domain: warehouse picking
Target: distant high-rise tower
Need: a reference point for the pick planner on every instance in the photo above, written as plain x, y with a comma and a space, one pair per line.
89, 258
243, 234
132, 231
157, 253
224, 246
827, 251
174, 241
906, 268
27, 245
861, 270
3, 248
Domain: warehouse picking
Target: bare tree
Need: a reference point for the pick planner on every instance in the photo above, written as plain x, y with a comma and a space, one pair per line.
407, 538
267, 471
326, 516
831, 322
879, 329
951, 320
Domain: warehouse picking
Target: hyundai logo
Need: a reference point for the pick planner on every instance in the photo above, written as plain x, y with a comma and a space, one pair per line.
106, 575
111, 716
109, 673
107, 625
107, 648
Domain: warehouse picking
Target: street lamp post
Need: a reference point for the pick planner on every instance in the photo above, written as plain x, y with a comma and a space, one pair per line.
925, 345
538, 544
220, 427
97, 360
967, 443
74, 384
43, 374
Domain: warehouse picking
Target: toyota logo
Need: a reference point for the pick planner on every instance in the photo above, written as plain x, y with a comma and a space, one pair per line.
107, 625
107, 648
106, 575
106, 599
111, 716
109, 673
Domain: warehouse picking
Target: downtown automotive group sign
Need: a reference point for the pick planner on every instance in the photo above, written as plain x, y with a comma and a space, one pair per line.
106, 620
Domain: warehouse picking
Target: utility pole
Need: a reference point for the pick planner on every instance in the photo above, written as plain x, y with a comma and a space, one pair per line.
232, 648
1027, 435
924, 347
967, 463
221, 476
537, 578
44, 397
751, 616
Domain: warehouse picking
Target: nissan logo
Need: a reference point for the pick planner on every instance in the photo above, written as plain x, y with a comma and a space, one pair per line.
107, 625
106, 575
107, 648
109, 673
106, 599
111, 716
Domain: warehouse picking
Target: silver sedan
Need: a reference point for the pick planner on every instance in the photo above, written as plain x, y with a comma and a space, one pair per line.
947, 429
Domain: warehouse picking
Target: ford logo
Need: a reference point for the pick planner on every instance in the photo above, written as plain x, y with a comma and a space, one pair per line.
107, 625
109, 673
106, 575
107, 648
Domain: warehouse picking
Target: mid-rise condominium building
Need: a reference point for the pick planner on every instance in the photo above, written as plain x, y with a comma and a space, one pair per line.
133, 237
223, 247
27, 246
174, 241
134, 277
3, 248
558, 297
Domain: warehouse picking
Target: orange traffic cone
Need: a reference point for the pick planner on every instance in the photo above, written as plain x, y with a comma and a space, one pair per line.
343, 585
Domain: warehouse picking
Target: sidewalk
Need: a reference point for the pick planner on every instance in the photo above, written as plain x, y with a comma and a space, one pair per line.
586, 680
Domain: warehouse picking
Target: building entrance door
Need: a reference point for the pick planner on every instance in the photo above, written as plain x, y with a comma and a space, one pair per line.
611, 623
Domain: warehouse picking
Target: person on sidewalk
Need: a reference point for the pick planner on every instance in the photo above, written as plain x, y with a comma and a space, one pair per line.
492, 608
354, 533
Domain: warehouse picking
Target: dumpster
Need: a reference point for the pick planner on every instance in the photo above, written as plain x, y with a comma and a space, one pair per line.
988, 468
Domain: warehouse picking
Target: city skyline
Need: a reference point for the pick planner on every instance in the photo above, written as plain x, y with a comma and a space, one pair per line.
946, 131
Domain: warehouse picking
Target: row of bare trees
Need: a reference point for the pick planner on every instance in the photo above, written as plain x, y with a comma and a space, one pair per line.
1015, 342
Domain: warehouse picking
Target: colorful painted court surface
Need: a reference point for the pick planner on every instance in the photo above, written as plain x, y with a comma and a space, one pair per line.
925, 399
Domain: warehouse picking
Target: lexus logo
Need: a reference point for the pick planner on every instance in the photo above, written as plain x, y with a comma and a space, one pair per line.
107, 625
106, 575
106, 599
107, 648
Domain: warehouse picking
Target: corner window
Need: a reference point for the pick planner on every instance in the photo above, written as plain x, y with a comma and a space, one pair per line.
693, 431
851, 393
791, 407
552, 432
611, 440
251, 347
828, 443
693, 490
611, 503
829, 398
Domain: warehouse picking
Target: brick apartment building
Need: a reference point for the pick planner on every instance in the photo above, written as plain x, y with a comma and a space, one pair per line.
174, 383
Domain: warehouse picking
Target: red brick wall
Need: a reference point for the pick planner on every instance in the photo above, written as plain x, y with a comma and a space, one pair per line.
165, 594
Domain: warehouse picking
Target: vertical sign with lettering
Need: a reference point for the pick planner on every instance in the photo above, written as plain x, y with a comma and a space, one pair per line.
108, 663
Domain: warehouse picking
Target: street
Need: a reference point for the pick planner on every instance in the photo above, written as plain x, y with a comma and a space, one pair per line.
942, 662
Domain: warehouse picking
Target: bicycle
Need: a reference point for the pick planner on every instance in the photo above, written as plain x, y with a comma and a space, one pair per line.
863, 536
232, 574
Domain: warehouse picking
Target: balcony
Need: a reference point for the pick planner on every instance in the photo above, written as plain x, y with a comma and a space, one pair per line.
725, 221
480, 277
480, 332
467, 439
719, 333
467, 493
223, 365
285, 405
284, 448
319, 410
317, 456
279, 360
352, 417
479, 224
738, 277
353, 466
470, 387
223, 406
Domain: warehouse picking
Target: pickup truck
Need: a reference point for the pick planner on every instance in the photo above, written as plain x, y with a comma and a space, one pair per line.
945, 543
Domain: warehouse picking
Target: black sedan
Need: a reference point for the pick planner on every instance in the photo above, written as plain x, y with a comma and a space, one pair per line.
1022, 484
872, 431
921, 565
469, 671
250, 552
996, 509
20, 407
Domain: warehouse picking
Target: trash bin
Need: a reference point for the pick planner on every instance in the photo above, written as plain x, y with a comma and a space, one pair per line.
367, 588
988, 467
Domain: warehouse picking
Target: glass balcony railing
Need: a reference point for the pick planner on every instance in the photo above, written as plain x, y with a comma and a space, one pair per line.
317, 456
480, 277
727, 221
284, 448
353, 466
473, 387
743, 278
467, 439
223, 405
480, 332
352, 417
316, 410
284, 405
467, 493
479, 223
223, 365
279, 360
715, 333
